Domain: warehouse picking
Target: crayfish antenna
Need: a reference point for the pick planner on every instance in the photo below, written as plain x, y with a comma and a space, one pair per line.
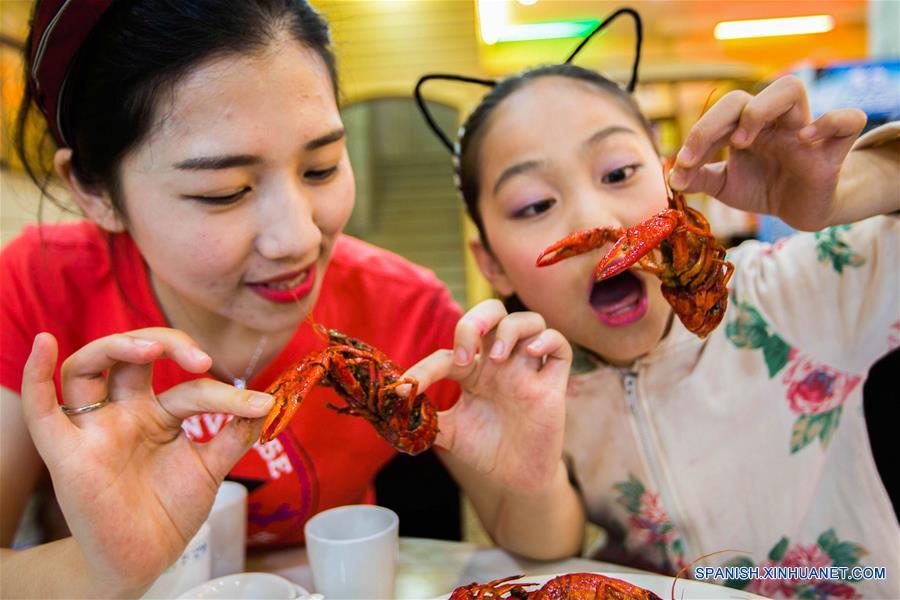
695, 561
319, 330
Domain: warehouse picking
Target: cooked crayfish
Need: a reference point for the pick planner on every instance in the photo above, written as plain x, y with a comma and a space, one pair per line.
367, 381
574, 586
688, 259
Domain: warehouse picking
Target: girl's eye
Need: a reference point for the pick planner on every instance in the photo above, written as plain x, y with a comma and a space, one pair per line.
221, 200
535, 209
320, 174
621, 174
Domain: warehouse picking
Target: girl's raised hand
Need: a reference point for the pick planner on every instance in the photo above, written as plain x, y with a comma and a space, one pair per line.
780, 161
134, 490
509, 421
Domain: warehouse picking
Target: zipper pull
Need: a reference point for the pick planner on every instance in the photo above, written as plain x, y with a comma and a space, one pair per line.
629, 380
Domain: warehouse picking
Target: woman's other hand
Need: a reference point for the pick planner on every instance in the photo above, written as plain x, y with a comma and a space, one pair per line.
133, 488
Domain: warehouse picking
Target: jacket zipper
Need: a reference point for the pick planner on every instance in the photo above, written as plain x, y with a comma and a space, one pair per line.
629, 381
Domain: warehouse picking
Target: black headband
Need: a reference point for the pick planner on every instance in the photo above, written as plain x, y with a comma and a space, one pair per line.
445, 139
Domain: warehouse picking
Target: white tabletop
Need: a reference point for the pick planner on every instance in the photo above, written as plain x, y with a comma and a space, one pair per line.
430, 568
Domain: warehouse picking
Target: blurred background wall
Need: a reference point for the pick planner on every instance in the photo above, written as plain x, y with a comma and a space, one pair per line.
406, 200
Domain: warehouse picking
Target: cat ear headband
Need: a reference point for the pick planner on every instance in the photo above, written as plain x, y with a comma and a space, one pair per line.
454, 148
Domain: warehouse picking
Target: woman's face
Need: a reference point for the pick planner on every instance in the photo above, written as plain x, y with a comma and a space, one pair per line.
236, 197
559, 156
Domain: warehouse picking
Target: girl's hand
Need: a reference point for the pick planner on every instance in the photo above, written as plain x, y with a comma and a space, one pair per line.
509, 421
780, 162
134, 490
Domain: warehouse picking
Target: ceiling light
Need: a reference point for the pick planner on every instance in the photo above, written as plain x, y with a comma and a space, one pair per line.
730, 30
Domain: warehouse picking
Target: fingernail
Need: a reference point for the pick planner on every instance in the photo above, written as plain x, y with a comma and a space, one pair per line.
260, 400
808, 133
142, 343
403, 390
685, 157
740, 136
198, 354
677, 179
536, 345
460, 356
497, 349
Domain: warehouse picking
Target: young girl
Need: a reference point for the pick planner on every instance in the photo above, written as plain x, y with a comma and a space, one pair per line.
753, 438
204, 143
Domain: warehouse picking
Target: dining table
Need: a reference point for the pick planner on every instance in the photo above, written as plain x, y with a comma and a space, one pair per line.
430, 568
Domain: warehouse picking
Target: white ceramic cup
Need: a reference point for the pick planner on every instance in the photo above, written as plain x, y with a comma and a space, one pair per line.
191, 569
228, 529
353, 551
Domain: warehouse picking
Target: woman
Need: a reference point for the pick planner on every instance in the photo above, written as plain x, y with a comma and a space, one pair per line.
203, 142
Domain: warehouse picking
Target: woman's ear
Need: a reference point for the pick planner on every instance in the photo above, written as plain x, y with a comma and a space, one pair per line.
94, 202
490, 267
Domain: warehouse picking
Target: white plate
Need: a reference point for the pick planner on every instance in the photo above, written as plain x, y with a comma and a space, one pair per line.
249, 585
660, 585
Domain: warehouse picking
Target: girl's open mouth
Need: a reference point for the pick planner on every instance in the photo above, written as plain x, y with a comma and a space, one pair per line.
619, 300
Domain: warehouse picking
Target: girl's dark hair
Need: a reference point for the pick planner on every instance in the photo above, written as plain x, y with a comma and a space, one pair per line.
133, 59
472, 132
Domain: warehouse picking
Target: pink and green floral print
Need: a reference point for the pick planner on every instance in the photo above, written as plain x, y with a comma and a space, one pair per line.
816, 393
748, 329
649, 525
830, 247
828, 551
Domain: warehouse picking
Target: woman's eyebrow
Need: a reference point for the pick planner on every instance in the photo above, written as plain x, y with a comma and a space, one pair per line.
228, 161
324, 140
223, 161
517, 169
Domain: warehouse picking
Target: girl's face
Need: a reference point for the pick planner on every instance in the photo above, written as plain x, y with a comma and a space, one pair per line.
238, 194
559, 156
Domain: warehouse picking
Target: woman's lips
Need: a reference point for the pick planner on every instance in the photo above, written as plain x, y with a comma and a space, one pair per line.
619, 300
288, 288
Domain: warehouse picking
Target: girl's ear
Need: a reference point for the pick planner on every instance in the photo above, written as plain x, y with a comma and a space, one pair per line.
490, 268
95, 203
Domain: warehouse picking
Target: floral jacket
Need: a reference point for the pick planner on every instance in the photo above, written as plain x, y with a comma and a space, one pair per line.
753, 439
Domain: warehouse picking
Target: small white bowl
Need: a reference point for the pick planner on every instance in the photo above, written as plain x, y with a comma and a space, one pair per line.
248, 585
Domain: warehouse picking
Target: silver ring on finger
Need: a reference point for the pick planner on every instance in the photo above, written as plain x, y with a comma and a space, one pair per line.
68, 411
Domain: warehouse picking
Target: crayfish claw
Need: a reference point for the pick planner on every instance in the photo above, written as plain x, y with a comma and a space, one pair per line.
577, 243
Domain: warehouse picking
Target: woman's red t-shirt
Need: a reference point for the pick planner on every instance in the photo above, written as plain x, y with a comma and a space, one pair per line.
80, 283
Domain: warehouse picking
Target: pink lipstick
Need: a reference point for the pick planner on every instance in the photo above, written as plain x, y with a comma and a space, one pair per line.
288, 287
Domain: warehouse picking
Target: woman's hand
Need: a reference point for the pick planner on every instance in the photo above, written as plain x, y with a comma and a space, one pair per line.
134, 490
509, 421
780, 162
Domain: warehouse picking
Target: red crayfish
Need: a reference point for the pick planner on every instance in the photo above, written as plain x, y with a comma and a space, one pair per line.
574, 586
367, 380
685, 255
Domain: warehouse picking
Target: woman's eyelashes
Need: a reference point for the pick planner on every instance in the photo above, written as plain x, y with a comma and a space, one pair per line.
535, 208
312, 175
318, 175
621, 174
221, 200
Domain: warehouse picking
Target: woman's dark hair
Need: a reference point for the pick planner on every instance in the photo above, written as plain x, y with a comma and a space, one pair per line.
132, 60
472, 132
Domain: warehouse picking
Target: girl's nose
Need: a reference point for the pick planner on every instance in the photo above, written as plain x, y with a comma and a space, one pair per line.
592, 209
288, 229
